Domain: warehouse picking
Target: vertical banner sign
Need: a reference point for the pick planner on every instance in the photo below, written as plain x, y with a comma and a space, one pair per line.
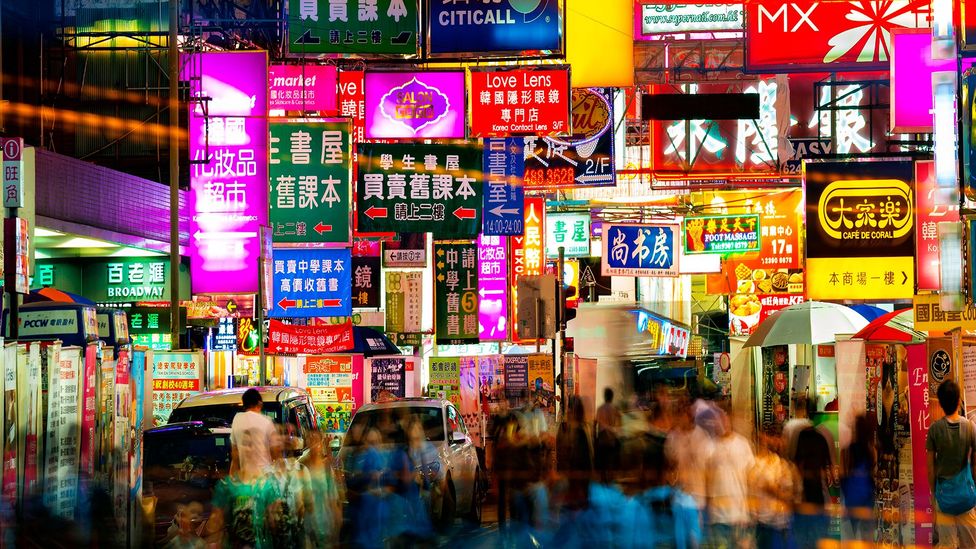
571, 231
918, 407
528, 251
504, 208
492, 288
310, 171
352, 105
9, 444
13, 171
415, 105
502, 27
445, 379
775, 387
520, 102
640, 250
387, 378
303, 88
929, 215
471, 398
89, 380
312, 282
228, 171
404, 301
366, 282
861, 230
353, 26
420, 188
67, 431
456, 272
175, 377
516, 375
583, 160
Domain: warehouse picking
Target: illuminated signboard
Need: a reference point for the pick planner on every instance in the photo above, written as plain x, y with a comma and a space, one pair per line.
571, 231
492, 288
353, 26
722, 234
929, 215
520, 102
415, 105
681, 18
824, 35
497, 27
303, 88
860, 230
228, 199
911, 81
640, 250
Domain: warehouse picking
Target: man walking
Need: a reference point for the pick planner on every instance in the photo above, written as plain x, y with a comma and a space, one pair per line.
251, 434
951, 446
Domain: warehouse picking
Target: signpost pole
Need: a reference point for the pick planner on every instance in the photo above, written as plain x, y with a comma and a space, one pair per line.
174, 175
560, 336
259, 306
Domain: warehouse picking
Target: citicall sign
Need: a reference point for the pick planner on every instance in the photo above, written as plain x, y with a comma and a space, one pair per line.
816, 36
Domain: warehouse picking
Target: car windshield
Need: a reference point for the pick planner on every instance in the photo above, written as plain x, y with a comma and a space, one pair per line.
220, 414
186, 454
389, 422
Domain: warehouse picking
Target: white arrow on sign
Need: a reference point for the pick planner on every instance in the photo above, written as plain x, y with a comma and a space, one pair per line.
483, 292
594, 178
499, 211
226, 235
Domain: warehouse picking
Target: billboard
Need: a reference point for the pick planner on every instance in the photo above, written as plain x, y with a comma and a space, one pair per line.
640, 250
521, 101
665, 18
312, 282
353, 26
721, 234
911, 80
571, 231
415, 105
228, 199
860, 229
502, 27
825, 36
303, 88
456, 280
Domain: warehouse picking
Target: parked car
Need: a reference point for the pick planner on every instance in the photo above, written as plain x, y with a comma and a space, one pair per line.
284, 405
444, 427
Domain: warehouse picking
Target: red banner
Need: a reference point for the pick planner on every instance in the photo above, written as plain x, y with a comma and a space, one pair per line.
928, 216
820, 35
520, 102
286, 339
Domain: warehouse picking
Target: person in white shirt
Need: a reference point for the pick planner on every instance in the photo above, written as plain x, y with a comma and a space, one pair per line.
726, 485
251, 435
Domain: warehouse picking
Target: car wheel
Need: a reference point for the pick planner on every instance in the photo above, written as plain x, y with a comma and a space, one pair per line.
477, 500
449, 507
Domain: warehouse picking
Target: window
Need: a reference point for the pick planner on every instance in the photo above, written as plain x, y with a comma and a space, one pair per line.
454, 421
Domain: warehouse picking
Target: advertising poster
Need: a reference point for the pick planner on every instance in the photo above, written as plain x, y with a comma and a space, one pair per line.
366, 274
456, 278
502, 27
747, 311
310, 171
175, 376
883, 372
491, 369
721, 234
286, 339
516, 376
928, 216
387, 378
11, 439
353, 26
471, 398
404, 302
571, 231
415, 105
332, 384
122, 439
586, 159
30, 387
775, 387
504, 207
418, 188
522, 101
105, 427
941, 363
918, 405
492, 288
541, 382
445, 379
640, 250
89, 411
137, 388
867, 252
305, 87
63, 434
312, 283
227, 202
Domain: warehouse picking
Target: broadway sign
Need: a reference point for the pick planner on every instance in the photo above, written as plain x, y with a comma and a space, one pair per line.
824, 36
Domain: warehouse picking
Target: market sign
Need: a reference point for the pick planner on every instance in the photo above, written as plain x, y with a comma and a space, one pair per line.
492, 288
860, 230
456, 281
415, 105
366, 282
286, 339
721, 234
419, 188
504, 207
824, 36
520, 101
228, 154
571, 231
309, 173
929, 215
930, 317
404, 301
682, 18
583, 160
303, 88
640, 250
500, 27
912, 66
353, 26
13, 171
312, 282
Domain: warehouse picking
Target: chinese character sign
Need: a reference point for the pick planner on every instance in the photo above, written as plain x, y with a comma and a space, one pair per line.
352, 105
721, 234
456, 274
312, 282
420, 188
504, 208
571, 231
492, 288
353, 26
320, 339
516, 375
366, 282
303, 88
583, 160
175, 376
640, 250
404, 301
520, 102
500, 27
309, 176
445, 379
13, 171
228, 171
387, 378
930, 214
414, 105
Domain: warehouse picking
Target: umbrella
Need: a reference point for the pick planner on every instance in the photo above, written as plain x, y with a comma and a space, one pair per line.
869, 312
370, 342
895, 326
53, 294
809, 323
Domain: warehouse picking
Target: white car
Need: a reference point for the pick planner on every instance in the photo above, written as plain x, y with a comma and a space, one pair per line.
445, 429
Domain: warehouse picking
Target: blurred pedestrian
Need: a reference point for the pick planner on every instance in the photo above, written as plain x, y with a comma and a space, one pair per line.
364, 484
424, 493
187, 522
654, 466
812, 456
688, 449
323, 512
857, 480
503, 427
574, 457
774, 486
251, 433
607, 437
726, 477
283, 501
951, 446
